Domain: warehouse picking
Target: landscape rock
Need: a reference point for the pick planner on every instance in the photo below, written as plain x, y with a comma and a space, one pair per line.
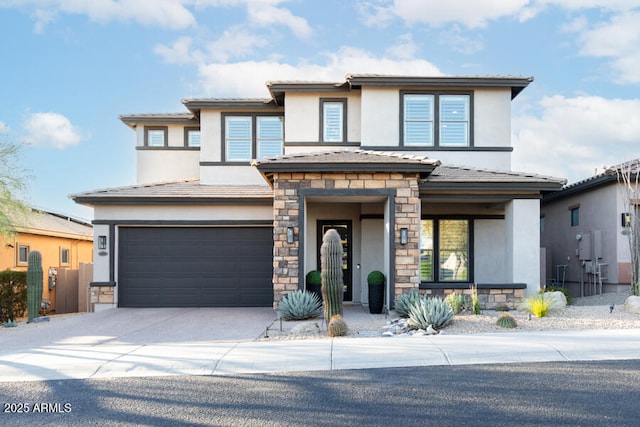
556, 299
305, 328
632, 304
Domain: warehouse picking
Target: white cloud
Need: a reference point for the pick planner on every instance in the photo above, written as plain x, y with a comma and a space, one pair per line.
265, 13
3, 128
617, 39
171, 14
50, 130
179, 52
471, 14
247, 79
405, 47
571, 137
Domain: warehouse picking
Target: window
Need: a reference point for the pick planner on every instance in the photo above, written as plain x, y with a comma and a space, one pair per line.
436, 120
156, 136
192, 137
23, 254
445, 250
64, 256
333, 120
575, 216
243, 144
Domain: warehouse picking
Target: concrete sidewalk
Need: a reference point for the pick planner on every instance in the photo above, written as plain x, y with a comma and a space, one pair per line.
123, 343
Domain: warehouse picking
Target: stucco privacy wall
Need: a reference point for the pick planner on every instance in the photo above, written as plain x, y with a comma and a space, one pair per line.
287, 273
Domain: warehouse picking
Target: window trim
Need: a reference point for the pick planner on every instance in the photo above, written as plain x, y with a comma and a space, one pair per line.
436, 119
321, 126
20, 246
254, 136
436, 249
164, 129
62, 251
574, 213
187, 130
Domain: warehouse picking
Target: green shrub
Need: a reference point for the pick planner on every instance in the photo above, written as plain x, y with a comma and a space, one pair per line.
405, 301
538, 305
475, 302
502, 307
457, 302
375, 278
314, 277
300, 305
565, 291
429, 311
506, 321
13, 295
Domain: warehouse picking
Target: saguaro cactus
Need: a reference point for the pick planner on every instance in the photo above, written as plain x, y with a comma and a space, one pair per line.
34, 284
331, 271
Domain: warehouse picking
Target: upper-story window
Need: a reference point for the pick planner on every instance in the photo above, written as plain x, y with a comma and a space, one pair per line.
242, 143
192, 137
436, 119
333, 120
155, 136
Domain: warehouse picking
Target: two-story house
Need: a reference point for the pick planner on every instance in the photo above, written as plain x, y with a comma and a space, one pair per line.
234, 195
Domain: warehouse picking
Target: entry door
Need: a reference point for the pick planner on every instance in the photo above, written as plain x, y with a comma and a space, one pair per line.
343, 227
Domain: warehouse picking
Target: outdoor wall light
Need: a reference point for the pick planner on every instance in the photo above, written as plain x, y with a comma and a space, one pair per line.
289, 234
102, 242
404, 236
626, 219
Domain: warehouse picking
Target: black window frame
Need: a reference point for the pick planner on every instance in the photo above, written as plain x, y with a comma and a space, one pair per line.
164, 129
63, 251
187, 131
324, 101
574, 212
254, 136
436, 118
436, 249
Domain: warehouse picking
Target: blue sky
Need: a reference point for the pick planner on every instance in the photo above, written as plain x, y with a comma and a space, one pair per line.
71, 67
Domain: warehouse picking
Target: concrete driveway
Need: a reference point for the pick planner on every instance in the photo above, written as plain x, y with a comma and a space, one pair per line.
141, 326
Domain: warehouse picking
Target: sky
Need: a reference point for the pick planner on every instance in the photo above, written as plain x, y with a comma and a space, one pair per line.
70, 68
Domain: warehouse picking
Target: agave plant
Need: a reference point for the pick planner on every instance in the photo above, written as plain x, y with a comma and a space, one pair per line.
405, 301
430, 311
300, 305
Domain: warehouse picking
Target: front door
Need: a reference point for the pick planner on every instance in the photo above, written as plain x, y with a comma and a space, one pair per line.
343, 227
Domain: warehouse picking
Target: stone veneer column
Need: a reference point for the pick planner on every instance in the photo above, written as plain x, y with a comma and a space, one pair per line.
407, 215
286, 212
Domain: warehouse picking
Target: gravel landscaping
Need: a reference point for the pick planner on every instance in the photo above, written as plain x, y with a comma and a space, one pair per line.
593, 312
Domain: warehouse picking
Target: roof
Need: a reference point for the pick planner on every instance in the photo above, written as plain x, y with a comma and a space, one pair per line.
52, 224
357, 81
346, 161
446, 178
609, 176
132, 120
177, 192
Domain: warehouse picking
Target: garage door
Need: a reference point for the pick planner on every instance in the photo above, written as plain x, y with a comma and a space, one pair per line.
195, 267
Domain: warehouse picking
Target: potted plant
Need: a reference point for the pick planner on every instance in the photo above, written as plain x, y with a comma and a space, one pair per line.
314, 282
376, 280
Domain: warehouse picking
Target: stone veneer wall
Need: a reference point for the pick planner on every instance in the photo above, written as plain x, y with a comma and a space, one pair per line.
286, 205
489, 298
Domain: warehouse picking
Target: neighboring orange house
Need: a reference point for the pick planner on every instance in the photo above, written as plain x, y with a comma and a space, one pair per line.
62, 241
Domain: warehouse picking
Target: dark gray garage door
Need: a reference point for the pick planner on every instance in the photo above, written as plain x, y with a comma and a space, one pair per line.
195, 267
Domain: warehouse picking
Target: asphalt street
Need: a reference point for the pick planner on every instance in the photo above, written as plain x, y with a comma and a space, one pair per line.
593, 393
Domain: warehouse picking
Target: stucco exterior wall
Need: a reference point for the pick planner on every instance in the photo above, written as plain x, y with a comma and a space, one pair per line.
522, 218
489, 251
166, 165
230, 175
599, 211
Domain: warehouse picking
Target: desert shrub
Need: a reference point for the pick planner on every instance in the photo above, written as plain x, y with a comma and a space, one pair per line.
405, 301
337, 327
475, 301
429, 311
537, 305
300, 305
457, 302
506, 321
502, 307
565, 291
13, 295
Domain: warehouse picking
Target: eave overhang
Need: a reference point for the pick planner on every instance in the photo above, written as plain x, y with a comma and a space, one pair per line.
133, 120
